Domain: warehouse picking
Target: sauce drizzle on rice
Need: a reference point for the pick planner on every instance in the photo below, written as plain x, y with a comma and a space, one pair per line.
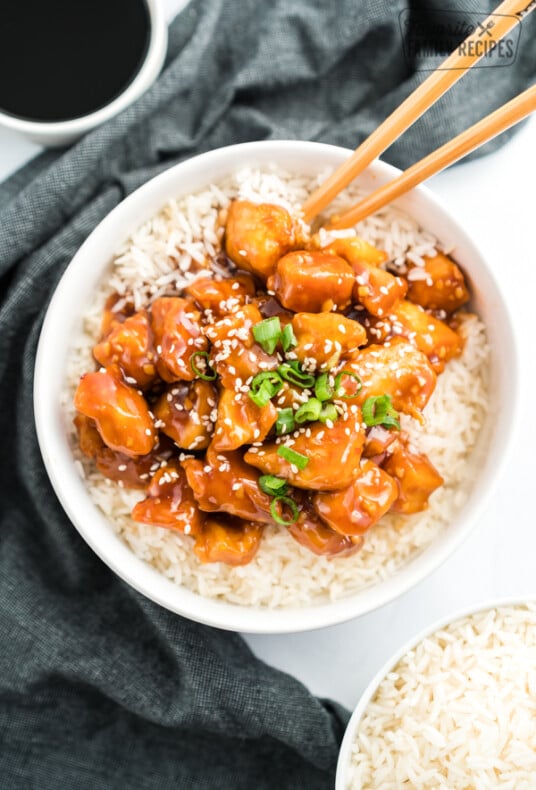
174, 251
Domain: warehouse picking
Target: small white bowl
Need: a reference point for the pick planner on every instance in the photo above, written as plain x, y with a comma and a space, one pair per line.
63, 321
60, 133
345, 753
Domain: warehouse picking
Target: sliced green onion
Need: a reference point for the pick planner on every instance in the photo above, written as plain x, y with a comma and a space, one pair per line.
379, 410
208, 374
272, 485
292, 456
292, 371
288, 338
309, 411
323, 389
267, 333
340, 392
264, 386
329, 412
288, 502
284, 422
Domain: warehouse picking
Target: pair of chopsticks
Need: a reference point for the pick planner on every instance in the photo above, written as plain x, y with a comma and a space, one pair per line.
506, 16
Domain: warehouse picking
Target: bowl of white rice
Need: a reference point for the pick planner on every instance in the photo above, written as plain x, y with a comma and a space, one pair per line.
146, 247
455, 708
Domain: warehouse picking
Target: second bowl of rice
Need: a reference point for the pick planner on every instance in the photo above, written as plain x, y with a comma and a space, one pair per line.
146, 247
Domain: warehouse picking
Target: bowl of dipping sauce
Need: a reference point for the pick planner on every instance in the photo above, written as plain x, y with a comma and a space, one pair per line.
68, 67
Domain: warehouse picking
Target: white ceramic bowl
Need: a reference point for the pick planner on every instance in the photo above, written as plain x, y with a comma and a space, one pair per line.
56, 134
345, 753
63, 320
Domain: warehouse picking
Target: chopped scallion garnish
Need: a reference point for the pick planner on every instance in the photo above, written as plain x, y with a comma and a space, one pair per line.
208, 373
309, 411
285, 421
323, 388
292, 372
288, 338
329, 412
340, 392
285, 501
264, 386
267, 333
272, 485
379, 410
292, 456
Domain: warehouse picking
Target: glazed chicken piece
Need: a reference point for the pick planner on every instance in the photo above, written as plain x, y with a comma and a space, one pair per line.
353, 249
129, 472
356, 509
326, 337
228, 539
397, 369
442, 288
417, 478
377, 290
224, 482
240, 421
257, 235
378, 441
130, 346
184, 411
235, 355
333, 454
430, 335
177, 337
170, 502
120, 412
312, 282
221, 297
310, 531
116, 309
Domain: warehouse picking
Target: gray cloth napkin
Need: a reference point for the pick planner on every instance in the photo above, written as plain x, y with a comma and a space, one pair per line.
100, 688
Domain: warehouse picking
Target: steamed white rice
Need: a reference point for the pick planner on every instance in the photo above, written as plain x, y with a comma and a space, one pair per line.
155, 261
458, 711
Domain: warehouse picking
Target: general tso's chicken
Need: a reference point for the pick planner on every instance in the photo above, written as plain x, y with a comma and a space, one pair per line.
378, 441
310, 531
438, 285
397, 369
170, 502
177, 336
228, 539
120, 412
221, 297
312, 282
184, 412
224, 482
130, 345
116, 309
240, 421
417, 478
257, 235
353, 249
356, 509
129, 472
326, 337
376, 289
332, 454
235, 355
430, 335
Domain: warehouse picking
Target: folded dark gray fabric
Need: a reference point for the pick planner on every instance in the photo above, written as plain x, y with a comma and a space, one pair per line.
100, 688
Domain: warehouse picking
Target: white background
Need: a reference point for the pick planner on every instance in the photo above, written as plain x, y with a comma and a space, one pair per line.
495, 199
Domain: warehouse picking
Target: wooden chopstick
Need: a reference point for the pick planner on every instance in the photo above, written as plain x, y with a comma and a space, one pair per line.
489, 127
505, 17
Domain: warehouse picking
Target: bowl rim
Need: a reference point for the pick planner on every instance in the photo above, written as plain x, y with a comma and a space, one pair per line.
146, 74
345, 750
141, 575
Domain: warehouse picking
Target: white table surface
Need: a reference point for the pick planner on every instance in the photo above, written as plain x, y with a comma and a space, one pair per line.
495, 198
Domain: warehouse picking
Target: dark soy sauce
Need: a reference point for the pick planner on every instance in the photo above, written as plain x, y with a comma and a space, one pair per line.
61, 59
